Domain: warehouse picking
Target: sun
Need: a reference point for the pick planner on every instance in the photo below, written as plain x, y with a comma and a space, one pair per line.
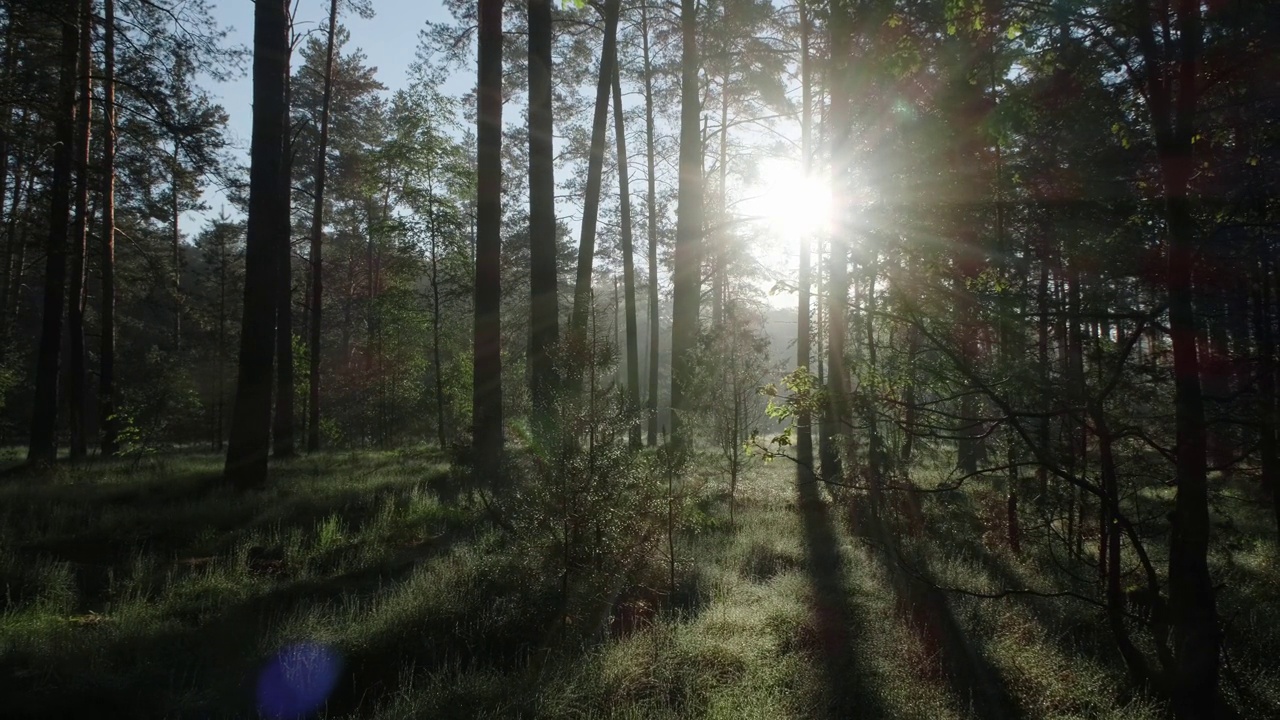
788, 205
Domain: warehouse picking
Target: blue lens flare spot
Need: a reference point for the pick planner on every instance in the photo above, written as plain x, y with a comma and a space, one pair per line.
298, 680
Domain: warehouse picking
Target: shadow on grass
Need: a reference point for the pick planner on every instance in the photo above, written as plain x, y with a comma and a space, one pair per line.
184, 510
847, 680
195, 653
194, 661
961, 663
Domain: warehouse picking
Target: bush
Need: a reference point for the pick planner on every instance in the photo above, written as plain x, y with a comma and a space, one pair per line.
587, 509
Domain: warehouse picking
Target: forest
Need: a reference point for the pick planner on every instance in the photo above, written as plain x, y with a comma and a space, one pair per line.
683, 359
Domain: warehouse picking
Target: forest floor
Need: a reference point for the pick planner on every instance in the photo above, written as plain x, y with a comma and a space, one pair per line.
150, 590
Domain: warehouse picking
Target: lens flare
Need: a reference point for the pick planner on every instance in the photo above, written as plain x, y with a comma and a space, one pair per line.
298, 680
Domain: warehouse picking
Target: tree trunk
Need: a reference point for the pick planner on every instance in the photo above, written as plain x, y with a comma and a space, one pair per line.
828, 458
1192, 606
282, 430
838, 261
909, 400
720, 238
804, 438
651, 201
628, 261
107, 352
317, 241
435, 332
544, 308
251, 419
687, 275
220, 403
487, 381
42, 449
76, 382
595, 170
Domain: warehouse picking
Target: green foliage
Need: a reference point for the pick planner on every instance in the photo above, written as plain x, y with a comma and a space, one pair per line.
801, 393
587, 508
166, 409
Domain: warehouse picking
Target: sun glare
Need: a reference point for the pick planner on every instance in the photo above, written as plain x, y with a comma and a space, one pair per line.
790, 205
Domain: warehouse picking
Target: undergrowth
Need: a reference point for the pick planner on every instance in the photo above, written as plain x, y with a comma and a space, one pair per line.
155, 592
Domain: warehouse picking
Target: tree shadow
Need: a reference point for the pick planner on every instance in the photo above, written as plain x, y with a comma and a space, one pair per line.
215, 656
964, 667
834, 618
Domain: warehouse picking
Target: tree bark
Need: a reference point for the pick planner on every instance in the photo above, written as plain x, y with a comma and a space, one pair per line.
719, 239
107, 352
628, 261
317, 242
76, 381
838, 261
687, 275
804, 433
42, 448
595, 171
282, 429
250, 438
544, 308
487, 378
435, 329
1192, 606
651, 201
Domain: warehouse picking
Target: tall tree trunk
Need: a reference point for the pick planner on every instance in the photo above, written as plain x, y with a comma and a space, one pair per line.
282, 429
374, 421
220, 403
42, 449
804, 439
76, 381
435, 328
628, 260
720, 238
544, 308
107, 352
317, 241
841, 28
687, 275
651, 201
828, 458
595, 171
487, 380
1192, 605
251, 419
909, 408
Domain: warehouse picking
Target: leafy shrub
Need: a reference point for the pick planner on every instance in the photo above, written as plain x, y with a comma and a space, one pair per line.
587, 509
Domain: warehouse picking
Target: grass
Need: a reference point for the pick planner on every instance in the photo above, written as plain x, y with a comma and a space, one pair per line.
153, 591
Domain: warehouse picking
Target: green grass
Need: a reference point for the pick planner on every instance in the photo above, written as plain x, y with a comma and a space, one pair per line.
153, 591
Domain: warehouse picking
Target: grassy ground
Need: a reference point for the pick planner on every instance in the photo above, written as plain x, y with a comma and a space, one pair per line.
152, 591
